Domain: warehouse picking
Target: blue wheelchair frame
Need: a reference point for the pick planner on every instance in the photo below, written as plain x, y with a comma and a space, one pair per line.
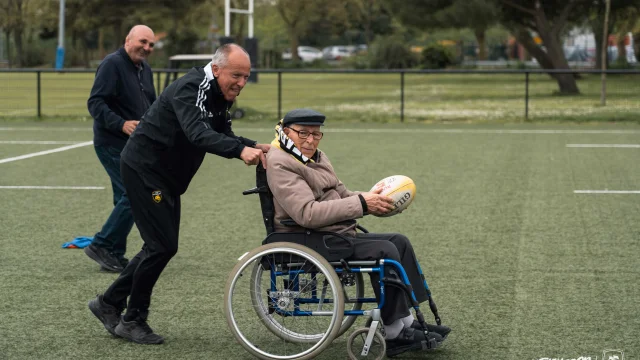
404, 284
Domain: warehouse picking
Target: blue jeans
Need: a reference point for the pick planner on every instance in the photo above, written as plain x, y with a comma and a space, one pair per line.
113, 235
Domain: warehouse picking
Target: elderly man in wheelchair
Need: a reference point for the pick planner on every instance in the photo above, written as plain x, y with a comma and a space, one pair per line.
305, 284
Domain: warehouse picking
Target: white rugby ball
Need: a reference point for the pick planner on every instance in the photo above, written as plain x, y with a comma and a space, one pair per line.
400, 188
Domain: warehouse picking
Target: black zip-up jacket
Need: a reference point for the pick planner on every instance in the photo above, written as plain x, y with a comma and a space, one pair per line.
189, 119
121, 91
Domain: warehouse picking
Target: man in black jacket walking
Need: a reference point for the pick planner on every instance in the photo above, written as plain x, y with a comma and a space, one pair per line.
122, 91
190, 118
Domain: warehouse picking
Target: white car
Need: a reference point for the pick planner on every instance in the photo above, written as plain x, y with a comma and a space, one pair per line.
306, 54
336, 52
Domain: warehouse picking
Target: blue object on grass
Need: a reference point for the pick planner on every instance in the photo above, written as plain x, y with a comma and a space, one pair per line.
78, 243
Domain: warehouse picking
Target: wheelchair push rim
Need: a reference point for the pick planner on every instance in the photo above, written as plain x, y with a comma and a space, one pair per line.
246, 316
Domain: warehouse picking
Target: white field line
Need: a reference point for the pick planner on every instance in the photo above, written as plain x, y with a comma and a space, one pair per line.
55, 187
38, 142
35, 128
606, 191
399, 131
46, 152
34, 110
635, 146
455, 131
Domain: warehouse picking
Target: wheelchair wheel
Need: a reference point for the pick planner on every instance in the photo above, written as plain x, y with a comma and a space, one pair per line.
356, 342
352, 291
278, 286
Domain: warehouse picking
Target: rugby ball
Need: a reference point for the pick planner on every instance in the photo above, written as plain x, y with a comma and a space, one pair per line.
400, 188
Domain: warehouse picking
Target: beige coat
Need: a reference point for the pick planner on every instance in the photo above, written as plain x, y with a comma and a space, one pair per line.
311, 195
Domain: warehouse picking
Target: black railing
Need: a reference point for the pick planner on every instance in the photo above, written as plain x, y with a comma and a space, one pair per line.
469, 92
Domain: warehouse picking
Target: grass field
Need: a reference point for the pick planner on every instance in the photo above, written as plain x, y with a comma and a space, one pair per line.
368, 97
520, 265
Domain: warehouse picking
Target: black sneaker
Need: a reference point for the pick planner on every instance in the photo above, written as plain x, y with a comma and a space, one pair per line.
138, 331
411, 339
123, 262
107, 314
103, 257
439, 329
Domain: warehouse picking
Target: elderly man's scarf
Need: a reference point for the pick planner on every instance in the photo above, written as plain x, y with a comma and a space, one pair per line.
283, 142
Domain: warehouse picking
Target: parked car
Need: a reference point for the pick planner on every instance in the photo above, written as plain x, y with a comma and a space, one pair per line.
306, 54
336, 52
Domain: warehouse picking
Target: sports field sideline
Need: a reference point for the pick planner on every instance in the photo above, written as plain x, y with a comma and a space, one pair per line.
528, 235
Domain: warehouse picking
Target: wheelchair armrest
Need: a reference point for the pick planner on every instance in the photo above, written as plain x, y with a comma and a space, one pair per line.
341, 237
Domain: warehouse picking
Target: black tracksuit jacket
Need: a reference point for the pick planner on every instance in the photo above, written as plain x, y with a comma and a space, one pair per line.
189, 119
120, 92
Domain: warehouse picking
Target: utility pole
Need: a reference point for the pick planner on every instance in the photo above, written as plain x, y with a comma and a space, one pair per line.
605, 45
60, 50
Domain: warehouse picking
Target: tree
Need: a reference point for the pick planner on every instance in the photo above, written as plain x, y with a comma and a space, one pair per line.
14, 21
622, 17
627, 18
548, 20
297, 15
477, 15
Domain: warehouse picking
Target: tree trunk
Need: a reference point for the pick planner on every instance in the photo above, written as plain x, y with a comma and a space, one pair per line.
622, 50
482, 44
294, 45
17, 39
101, 53
553, 58
597, 27
8, 43
597, 34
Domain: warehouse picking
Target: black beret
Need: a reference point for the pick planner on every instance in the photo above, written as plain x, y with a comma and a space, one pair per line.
303, 117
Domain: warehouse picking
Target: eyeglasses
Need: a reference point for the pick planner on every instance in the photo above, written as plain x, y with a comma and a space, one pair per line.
303, 134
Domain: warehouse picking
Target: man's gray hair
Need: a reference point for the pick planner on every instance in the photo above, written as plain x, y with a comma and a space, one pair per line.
221, 56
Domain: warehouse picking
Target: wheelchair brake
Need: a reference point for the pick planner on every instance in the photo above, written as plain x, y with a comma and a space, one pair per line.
347, 277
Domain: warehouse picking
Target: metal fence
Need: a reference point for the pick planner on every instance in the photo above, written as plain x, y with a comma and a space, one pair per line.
365, 95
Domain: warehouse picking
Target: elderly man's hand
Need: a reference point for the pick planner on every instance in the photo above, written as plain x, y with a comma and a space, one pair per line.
252, 156
377, 204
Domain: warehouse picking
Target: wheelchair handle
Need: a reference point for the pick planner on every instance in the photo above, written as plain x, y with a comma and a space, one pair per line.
255, 190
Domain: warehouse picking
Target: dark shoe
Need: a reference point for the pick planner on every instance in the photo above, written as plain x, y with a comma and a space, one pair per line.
103, 257
123, 262
107, 314
138, 331
439, 329
412, 339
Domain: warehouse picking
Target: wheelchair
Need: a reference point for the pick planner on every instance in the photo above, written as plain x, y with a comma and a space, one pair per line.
302, 293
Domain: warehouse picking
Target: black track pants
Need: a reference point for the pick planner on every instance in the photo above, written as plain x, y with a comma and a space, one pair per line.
157, 216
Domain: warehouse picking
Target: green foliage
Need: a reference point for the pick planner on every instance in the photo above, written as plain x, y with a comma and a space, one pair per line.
315, 64
391, 53
436, 56
358, 62
181, 42
33, 55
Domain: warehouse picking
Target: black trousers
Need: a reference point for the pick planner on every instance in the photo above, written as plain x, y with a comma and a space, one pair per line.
157, 216
371, 246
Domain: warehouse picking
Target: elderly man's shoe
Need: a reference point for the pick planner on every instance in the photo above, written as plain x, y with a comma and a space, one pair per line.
411, 339
439, 329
